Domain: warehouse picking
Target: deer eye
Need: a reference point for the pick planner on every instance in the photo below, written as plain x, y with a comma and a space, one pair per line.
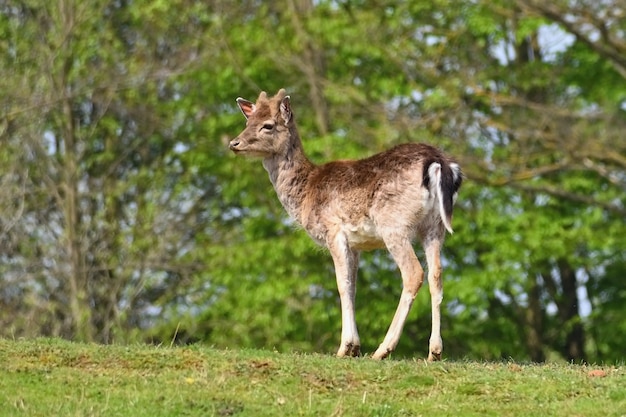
267, 126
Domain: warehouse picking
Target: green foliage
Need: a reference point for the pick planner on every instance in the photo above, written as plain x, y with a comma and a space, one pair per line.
129, 106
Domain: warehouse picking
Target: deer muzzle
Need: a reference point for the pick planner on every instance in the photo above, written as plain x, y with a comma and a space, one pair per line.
234, 144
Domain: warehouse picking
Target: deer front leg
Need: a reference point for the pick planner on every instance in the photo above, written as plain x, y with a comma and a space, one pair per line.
346, 263
435, 284
412, 278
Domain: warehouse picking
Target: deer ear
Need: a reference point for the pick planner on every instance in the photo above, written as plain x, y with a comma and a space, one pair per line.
285, 109
247, 107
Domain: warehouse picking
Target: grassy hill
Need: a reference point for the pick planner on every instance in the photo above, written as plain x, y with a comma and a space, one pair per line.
47, 377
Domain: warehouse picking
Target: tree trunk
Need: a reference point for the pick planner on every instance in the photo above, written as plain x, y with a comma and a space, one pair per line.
534, 323
76, 271
574, 346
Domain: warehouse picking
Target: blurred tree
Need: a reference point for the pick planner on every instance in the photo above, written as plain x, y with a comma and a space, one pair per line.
99, 215
123, 216
482, 82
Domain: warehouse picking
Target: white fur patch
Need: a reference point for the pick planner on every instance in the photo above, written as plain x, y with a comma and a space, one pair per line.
434, 174
363, 236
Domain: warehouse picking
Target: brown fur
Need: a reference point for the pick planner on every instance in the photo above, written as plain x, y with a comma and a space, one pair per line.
386, 200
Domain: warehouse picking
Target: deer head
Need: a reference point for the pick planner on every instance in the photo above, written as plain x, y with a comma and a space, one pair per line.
269, 126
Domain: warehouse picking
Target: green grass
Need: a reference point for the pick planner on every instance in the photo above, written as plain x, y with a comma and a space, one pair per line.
47, 377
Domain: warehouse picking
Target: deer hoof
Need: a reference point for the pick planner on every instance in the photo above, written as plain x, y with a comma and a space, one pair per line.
381, 353
349, 349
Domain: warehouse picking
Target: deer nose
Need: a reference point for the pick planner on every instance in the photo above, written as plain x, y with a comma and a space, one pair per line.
233, 144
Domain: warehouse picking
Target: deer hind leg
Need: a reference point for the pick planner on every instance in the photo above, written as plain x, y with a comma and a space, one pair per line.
346, 263
432, 247
412, 278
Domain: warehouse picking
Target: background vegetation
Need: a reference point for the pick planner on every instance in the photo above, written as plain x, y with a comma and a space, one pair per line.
123, 217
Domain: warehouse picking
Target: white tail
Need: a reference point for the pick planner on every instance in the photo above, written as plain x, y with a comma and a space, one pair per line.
385, 201
439, 189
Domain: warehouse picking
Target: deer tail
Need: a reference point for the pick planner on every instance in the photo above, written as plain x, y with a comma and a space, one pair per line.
445, 181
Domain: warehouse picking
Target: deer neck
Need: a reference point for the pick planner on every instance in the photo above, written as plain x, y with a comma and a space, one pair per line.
289, 173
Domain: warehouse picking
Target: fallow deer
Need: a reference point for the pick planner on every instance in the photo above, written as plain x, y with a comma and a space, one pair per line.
384, 201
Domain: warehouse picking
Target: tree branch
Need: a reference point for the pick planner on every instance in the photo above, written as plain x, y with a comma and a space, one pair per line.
553, 191
608, 47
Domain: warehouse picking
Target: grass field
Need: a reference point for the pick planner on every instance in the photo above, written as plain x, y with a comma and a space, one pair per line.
47, 377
